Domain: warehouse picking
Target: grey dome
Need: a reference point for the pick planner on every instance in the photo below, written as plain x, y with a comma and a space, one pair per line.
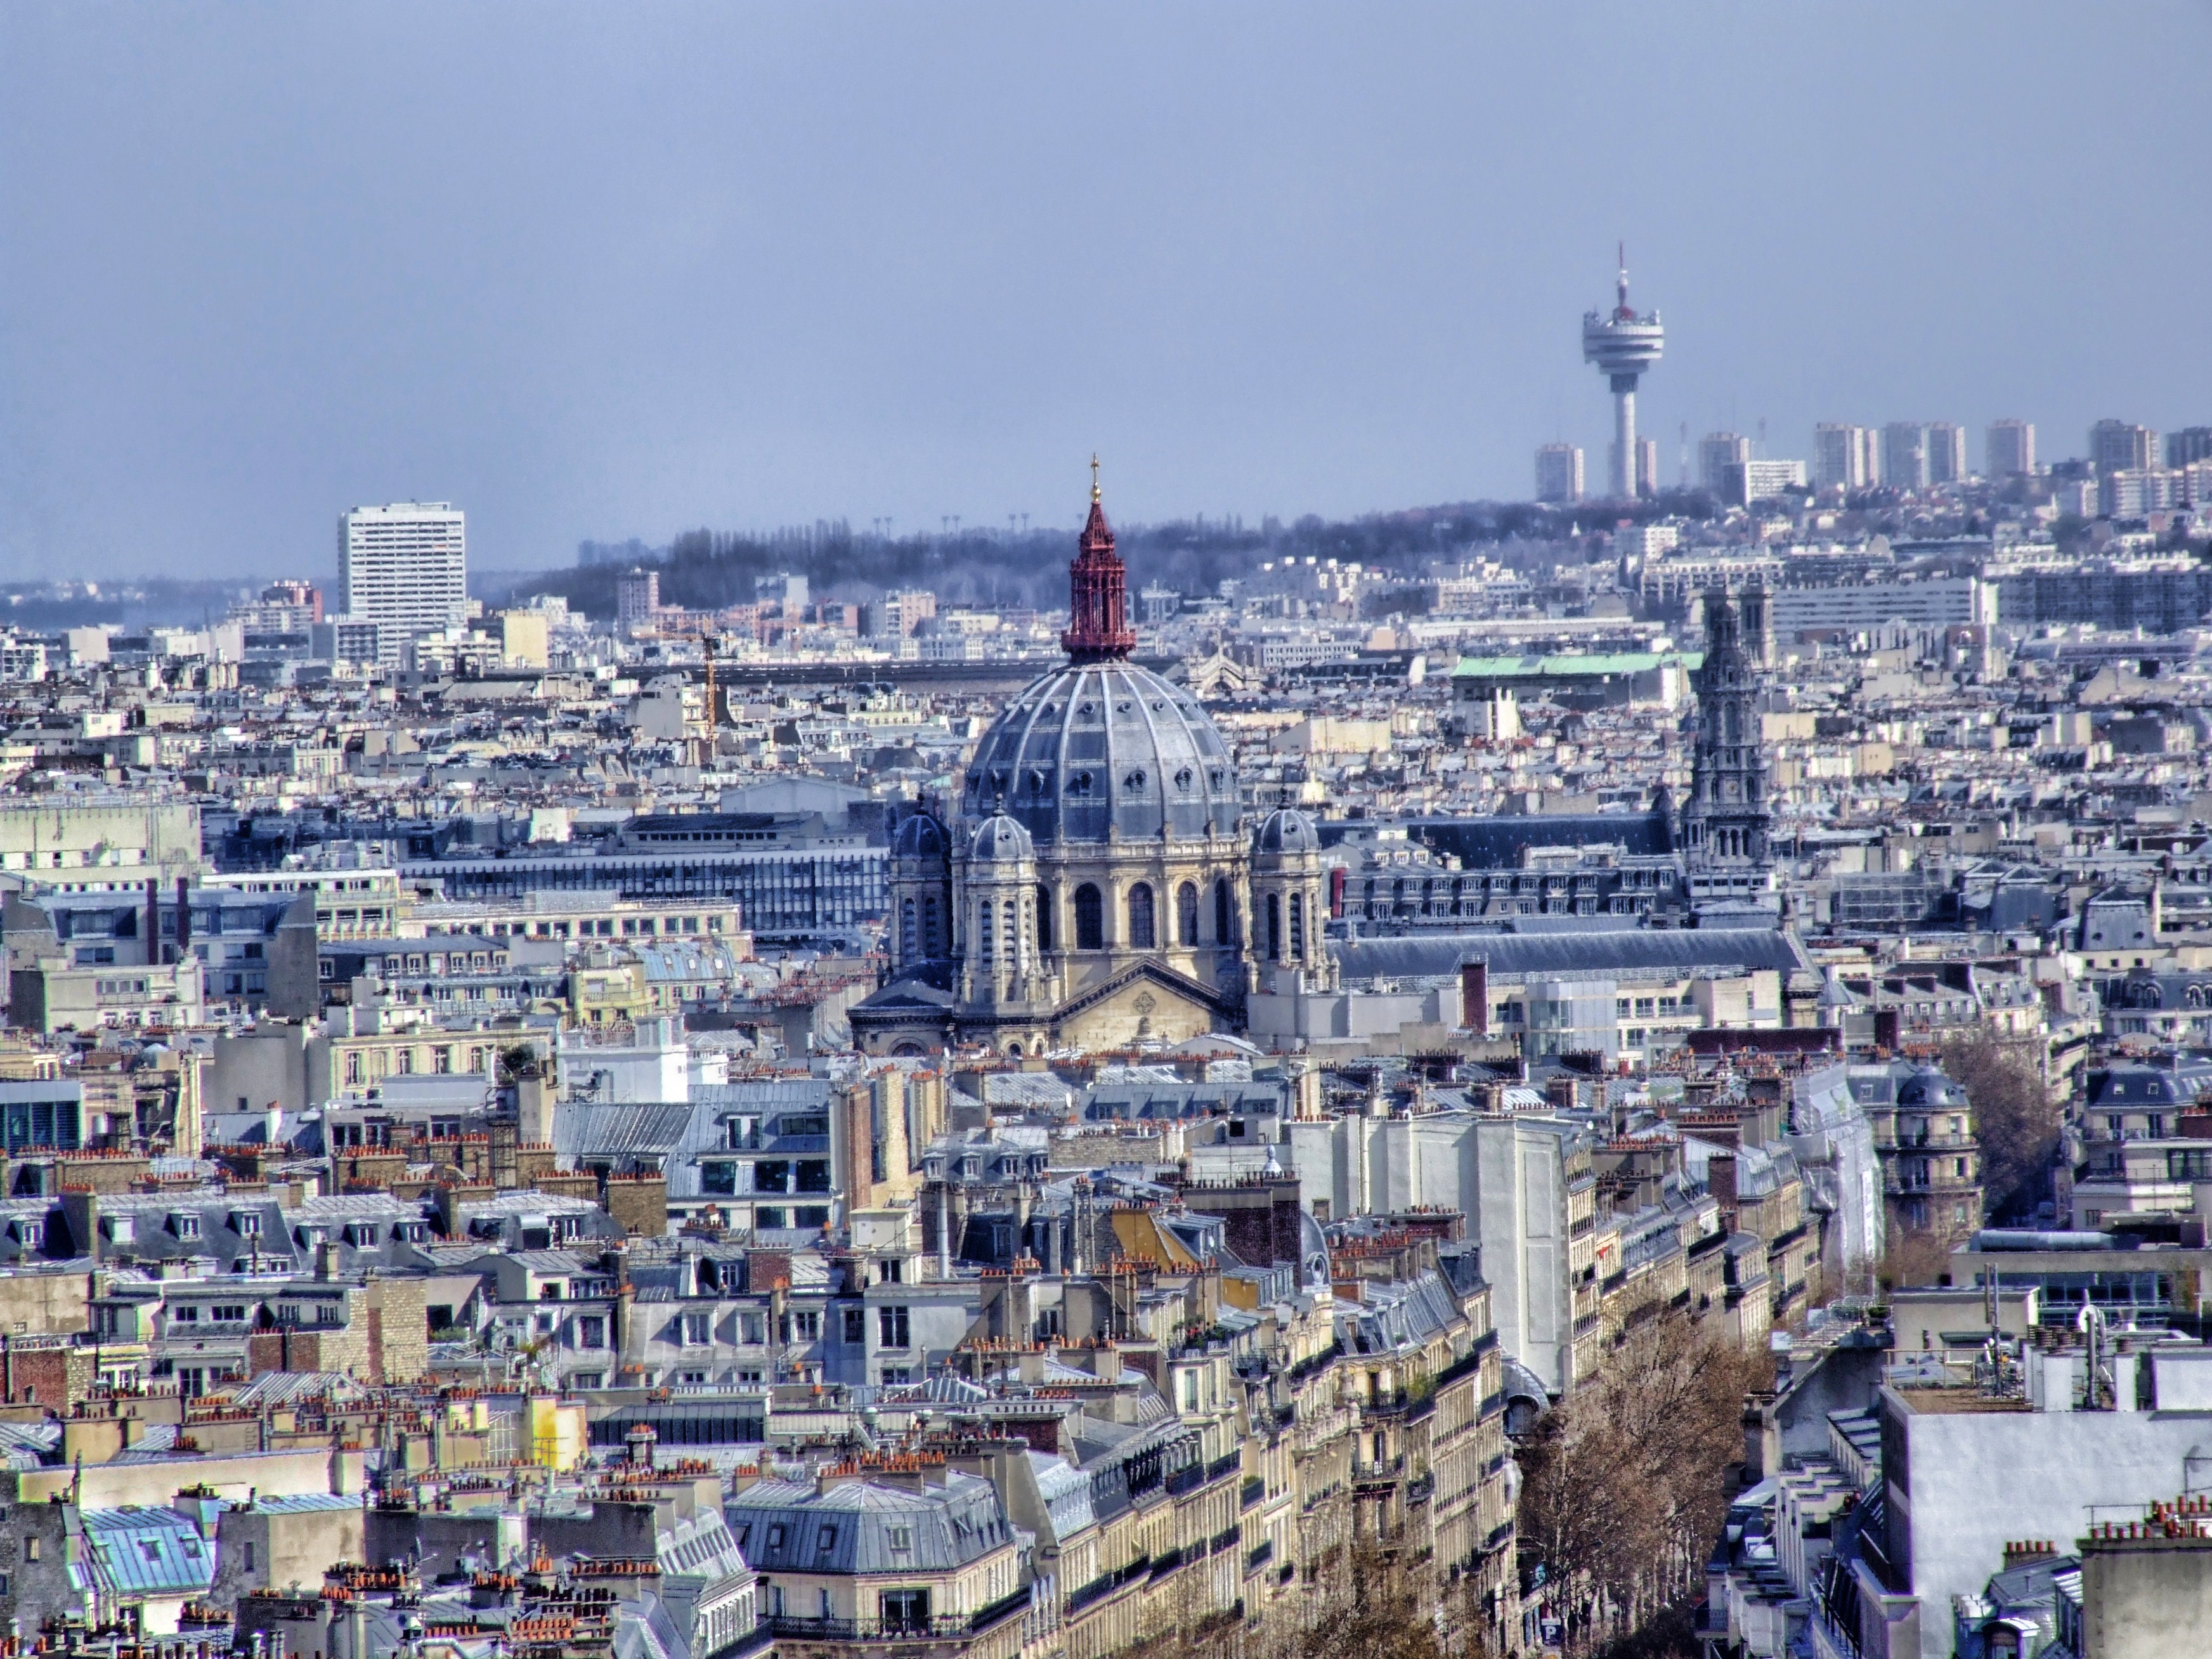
1930, 1087
1105, 743
920, 836
1000, 840
1286, 829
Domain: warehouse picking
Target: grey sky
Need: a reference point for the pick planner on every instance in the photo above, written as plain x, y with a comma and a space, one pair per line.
606, 270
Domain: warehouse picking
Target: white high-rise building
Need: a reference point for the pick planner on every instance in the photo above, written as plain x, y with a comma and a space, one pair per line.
1947, 452
1846, 457
1559, 473
1717, 452
2011, 448
404, 568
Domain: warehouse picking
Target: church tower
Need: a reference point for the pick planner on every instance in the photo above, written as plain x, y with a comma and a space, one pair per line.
1290, 900
1726, 823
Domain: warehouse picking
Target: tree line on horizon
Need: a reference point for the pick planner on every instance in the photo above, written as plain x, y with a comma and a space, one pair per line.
708, 569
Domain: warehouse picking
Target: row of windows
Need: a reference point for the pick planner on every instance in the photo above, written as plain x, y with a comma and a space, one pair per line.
920, 936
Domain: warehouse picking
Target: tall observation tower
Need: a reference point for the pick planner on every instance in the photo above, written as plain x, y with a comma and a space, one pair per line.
1623, 345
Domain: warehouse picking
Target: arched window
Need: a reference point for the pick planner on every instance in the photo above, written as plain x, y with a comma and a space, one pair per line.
1089, 919
1013, 1051
909, 932
1225, 912
983, 932
1298, 926
1274, 928
1187, 915
929, 941
1043, 918
1141, 932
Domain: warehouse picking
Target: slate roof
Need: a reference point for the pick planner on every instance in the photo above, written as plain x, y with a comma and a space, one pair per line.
1496, 842
586, 1130
1599, 951
138, 1551
853, 1527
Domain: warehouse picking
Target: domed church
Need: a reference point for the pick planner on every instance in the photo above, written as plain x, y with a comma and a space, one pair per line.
1098, 886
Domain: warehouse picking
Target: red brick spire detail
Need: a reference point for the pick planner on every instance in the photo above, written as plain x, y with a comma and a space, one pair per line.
1098, 592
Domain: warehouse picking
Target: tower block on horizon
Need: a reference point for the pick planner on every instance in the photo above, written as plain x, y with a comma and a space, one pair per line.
1623, 345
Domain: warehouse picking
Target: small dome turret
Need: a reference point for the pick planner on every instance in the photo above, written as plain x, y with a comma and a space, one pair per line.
1286, 829
1000, 839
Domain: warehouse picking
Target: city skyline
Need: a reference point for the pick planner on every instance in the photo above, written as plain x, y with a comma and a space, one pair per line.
740, 294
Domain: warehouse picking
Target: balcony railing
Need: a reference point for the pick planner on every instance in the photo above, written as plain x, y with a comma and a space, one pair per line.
949, 1626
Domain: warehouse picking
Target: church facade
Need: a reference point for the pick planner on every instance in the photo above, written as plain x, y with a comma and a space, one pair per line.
1099, 886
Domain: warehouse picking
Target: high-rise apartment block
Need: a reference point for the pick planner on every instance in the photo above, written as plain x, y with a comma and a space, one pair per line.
2010, 448
2118, 446
1947, 452
1904, 455
1743, 482
1717, 452
2191, 443
1846, 457
637, 596
404, 568
1559, 473
1647, 467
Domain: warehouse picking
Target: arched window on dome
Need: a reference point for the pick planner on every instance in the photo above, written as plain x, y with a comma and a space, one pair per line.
1143, 936
909, 932
1274, 928
1089, 919
1043, 919
1225, 912
1298, 926
1187, 915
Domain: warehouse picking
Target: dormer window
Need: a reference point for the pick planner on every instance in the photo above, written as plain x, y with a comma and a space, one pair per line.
246, 1223
185, 1226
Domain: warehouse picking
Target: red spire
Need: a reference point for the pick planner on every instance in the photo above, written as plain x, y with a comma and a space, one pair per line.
1098, 592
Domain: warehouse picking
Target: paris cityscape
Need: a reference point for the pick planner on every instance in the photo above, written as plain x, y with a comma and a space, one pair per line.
1506, 954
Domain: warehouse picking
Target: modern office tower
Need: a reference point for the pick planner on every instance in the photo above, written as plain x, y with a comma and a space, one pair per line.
1623, 344
2117, 447
2011, 448
1846, 457
404, 568
637, 596
1559, 473
1904, 455
1717, 452
1947, 452
1647, 466
2191, 443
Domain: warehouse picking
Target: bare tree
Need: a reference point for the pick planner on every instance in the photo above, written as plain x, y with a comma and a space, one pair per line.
1624, 1485
1913, 1256
2015, 1119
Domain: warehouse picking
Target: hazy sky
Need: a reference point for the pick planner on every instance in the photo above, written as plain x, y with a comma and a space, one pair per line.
617, 270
